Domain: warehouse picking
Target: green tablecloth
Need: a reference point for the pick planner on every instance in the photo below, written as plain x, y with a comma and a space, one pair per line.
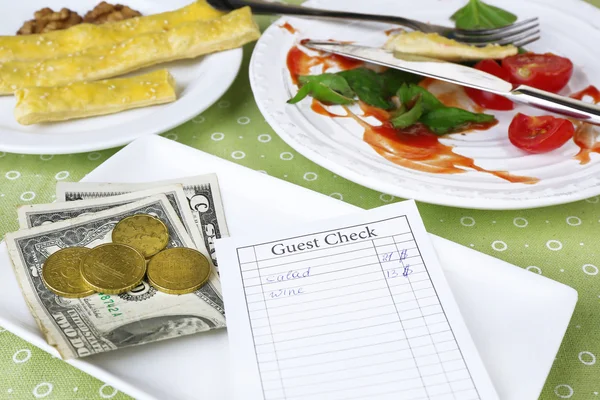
562, 243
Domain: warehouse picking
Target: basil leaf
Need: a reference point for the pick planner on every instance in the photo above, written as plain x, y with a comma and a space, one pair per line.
479, 15
332, 81
320, 92
447, 119
368, 86
406, 93
328, 88
393, 79
411, 116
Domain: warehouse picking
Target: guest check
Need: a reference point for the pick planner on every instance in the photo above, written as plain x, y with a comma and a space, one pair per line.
352, 308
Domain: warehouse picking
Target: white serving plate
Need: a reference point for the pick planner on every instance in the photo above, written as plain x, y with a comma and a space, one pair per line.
516, 318
337, 143
200, 83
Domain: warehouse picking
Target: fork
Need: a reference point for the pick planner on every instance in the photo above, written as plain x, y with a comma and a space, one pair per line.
518, 34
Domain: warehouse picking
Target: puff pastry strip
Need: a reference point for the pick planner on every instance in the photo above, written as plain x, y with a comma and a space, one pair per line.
82, 36
85, 99
183, 41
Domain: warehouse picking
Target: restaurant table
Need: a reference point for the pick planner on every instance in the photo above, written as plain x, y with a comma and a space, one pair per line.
561, 242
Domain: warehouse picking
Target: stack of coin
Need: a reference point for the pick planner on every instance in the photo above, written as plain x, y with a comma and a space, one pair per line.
115, 268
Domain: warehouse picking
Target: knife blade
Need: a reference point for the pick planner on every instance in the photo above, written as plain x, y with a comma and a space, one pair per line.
465, 76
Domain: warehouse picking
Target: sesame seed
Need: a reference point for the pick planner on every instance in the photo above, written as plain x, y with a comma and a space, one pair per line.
49, 43
148, 83
101, 57
153, 90
111, 87
153, 97
166, 22
13, 87
15, 70
38, 43
50, 68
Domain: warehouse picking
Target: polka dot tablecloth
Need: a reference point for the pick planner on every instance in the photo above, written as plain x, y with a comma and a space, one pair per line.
562, 243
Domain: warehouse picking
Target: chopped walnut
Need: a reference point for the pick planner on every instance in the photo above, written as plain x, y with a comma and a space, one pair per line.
48, 20
105, 12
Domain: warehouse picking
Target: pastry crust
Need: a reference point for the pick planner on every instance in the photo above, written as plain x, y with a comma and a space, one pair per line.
183, 41
83, 99
82, 36
436, 46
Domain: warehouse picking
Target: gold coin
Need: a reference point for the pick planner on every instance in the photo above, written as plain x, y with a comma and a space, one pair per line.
61, 273
179, 270
113, 268
143, 232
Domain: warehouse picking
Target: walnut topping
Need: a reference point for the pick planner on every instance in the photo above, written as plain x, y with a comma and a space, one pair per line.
105, 12
48, 20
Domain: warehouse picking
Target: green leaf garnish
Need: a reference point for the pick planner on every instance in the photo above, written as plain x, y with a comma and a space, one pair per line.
410, 117
393, 79
447, 119
407, 93
368, 86
328, 88
479, 15
332, 81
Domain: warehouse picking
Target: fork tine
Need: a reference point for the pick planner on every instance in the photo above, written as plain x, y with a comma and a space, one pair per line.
497, 36
525, 42
508, 39
478, 32
518, 38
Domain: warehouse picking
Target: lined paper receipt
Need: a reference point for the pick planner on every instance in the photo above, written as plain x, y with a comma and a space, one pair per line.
352, 308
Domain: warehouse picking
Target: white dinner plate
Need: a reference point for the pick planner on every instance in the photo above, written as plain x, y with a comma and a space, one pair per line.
200, 83
517, 318
568, 27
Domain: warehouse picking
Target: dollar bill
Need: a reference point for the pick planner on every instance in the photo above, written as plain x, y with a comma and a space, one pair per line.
31, 216
99, 323
202, 191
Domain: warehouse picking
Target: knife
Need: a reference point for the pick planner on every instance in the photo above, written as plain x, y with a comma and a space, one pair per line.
465, 76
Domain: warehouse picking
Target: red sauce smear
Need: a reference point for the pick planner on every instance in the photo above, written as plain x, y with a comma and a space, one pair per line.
288, 28
393, 31
415, 147
591, 91
300, 63
587, 136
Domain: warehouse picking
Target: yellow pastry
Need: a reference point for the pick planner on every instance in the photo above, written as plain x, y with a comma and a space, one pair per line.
85, 99
82, 36
183, 41
436, 46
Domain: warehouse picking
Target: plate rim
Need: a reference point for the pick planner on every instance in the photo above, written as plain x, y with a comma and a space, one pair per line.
430, 197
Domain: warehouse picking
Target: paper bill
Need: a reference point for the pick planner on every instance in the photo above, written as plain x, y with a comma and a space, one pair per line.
31, 216
202, 191
99, 323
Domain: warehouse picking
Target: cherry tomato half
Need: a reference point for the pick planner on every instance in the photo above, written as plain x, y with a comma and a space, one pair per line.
487, 99
539, 134
543, 71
